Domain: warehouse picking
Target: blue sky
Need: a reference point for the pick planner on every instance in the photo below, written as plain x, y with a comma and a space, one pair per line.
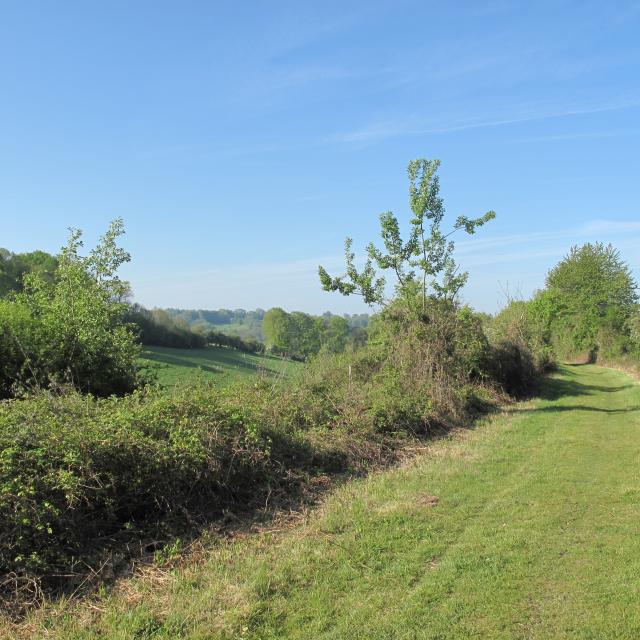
241, 142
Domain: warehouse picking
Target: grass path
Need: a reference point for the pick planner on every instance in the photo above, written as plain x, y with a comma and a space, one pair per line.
525, 527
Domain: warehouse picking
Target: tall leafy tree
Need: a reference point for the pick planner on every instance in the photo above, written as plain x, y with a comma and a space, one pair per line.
594, 295
276, 328
336, 334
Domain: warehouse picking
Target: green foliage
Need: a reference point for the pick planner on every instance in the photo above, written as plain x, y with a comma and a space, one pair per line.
588, 310
594, 296
276, 328
434, 349
70, 329
520, 338
14, 266
336, 334
246, 325
158, 328
423, 265
234, 322
300, 335
77, 470
470, 540
633, 330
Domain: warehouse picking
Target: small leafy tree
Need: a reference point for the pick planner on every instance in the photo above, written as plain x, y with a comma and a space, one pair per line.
423, 265
423, 345
276, 328
72, 329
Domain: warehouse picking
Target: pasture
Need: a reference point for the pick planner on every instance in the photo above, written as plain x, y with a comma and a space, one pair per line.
220, 364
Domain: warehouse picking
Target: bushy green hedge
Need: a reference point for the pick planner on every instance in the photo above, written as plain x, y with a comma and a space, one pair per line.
76, 470
79, 473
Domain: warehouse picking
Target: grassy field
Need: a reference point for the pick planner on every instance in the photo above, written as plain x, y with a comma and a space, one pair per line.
222, 364
524, 527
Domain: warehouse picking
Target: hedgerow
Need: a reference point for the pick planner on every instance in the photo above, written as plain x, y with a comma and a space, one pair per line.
77, 470
81, 475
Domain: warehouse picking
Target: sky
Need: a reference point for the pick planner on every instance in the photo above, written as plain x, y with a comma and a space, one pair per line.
242, 142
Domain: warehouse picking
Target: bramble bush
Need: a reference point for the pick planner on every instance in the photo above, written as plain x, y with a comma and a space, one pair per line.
78, 470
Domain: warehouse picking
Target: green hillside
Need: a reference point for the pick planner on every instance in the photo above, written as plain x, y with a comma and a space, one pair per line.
177, 366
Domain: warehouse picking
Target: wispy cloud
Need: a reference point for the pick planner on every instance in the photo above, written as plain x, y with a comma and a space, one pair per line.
518, 248
587, 135
611, 226
406, 126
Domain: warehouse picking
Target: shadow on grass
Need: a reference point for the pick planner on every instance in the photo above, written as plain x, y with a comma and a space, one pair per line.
575, 407
556, 388
180, 362
207, 359
553, 388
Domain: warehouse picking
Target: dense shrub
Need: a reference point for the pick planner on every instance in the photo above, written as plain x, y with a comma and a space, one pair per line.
76, 470
80, 473
520, 345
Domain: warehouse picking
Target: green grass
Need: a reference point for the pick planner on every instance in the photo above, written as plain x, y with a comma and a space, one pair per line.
524, 527
174, 366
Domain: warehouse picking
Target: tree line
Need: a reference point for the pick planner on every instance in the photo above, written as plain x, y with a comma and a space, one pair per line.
246, 324
300, 335
14, 266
